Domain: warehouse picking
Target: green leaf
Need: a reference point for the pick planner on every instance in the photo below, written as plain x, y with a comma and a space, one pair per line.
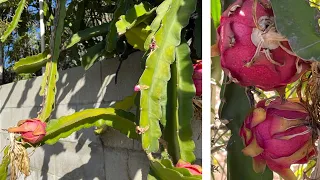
2, 1
15, 20
86, 34
157, 72
235, 109
134, 16
155, 25
4, 164
32, 64
127, 103
151, 177
45, 9
93, 54
299, 23
314, 3
216, 12
161, 172
112, 36
137, 35
181, 90
75, 15
48, 86
66, 125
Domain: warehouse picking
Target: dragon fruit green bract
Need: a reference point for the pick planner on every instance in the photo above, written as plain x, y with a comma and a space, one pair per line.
275, 134
252, 52
31, 130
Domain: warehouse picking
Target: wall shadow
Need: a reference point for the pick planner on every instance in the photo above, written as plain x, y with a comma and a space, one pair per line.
94, 168
91, 89
49, 152
8, 96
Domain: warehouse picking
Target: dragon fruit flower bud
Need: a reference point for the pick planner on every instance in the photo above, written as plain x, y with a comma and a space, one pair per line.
193, 169
31, 130
275, 134
138, 88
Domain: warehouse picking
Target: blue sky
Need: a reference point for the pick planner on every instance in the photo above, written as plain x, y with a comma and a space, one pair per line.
33, 10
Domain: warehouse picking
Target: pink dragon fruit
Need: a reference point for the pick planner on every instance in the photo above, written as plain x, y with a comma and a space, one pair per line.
193, 169
31, 130
197, 77
275, 134
252, 52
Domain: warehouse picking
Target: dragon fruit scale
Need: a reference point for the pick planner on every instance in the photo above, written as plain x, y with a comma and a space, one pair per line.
252, 52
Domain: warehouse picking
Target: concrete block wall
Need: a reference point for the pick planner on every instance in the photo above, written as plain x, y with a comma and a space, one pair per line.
83, 155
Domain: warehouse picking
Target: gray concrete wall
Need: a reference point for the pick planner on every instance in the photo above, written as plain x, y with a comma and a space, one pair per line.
83, 155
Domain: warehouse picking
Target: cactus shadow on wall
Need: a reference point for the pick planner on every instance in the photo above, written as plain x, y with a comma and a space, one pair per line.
78, 89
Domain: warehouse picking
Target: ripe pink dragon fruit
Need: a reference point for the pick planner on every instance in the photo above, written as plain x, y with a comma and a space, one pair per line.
193, 169
31, 130
252, 52
275, 134
197, 77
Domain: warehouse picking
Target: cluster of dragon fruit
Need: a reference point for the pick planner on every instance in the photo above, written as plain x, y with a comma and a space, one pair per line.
276, 133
